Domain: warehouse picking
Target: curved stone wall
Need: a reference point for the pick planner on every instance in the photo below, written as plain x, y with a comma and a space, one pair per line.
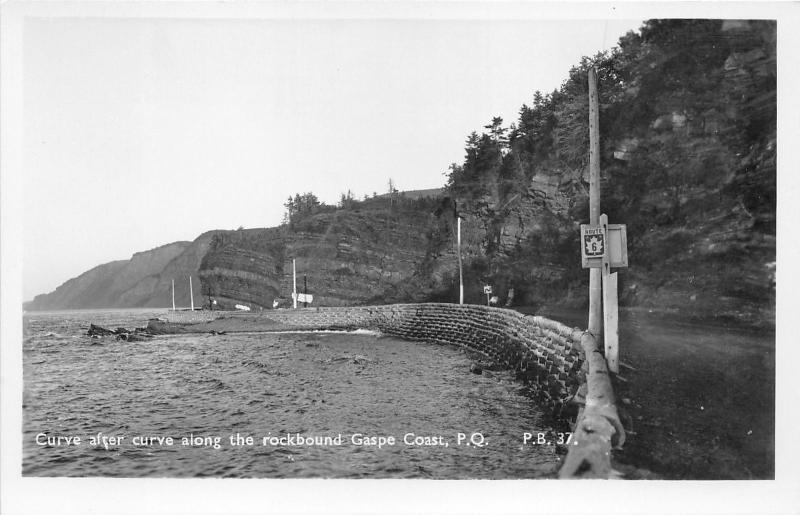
544, 352
564, 365
187, 316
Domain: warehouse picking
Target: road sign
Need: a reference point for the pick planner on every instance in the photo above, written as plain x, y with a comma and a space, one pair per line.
617, 246
594, 244
488, 291
599, 242
304, 297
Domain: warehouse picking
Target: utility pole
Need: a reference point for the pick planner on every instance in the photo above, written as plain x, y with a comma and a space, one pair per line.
305, 291
173, 295
191, 293
294, 282
595, 293
460, 271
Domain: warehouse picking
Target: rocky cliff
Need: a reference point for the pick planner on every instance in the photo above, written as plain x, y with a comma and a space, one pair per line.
377, 251
156, 289
88, 290
142, 281
688, 163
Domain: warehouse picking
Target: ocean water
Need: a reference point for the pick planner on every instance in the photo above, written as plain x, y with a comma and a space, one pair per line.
320, 405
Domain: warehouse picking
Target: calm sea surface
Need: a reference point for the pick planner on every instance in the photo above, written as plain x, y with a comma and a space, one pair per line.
199, 390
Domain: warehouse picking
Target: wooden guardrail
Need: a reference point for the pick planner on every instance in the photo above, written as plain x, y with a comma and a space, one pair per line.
597, 429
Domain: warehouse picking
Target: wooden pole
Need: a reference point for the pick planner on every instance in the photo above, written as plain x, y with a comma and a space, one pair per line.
173, 295
611, 321
460, 271
305, 291
294, 282
595, 300
191, 293
610, 307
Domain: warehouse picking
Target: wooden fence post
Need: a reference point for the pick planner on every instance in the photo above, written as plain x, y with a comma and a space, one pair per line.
610, 305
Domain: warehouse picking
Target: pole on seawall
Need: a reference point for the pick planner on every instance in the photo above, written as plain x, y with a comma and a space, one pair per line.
305, 290
173, 295
595, 301
294, 282
460, 272
191, 293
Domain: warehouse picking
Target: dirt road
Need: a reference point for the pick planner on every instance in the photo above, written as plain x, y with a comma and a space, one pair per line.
701, 400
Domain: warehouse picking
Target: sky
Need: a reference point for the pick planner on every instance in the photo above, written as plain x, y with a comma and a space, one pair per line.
141, 132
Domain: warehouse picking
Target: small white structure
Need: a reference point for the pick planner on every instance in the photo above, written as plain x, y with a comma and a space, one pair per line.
242, 307
303, 297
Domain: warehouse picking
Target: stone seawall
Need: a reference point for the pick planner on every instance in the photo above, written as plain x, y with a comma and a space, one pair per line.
191, 317
563, 364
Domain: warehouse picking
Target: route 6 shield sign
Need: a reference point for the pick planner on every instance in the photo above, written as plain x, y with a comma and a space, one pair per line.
594, 244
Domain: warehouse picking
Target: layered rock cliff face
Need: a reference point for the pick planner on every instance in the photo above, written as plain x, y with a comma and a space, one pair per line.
380, 251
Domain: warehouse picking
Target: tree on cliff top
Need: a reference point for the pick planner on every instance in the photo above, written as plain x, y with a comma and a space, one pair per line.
300, 206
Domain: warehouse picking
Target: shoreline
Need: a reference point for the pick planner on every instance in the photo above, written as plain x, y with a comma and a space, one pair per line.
747, 322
